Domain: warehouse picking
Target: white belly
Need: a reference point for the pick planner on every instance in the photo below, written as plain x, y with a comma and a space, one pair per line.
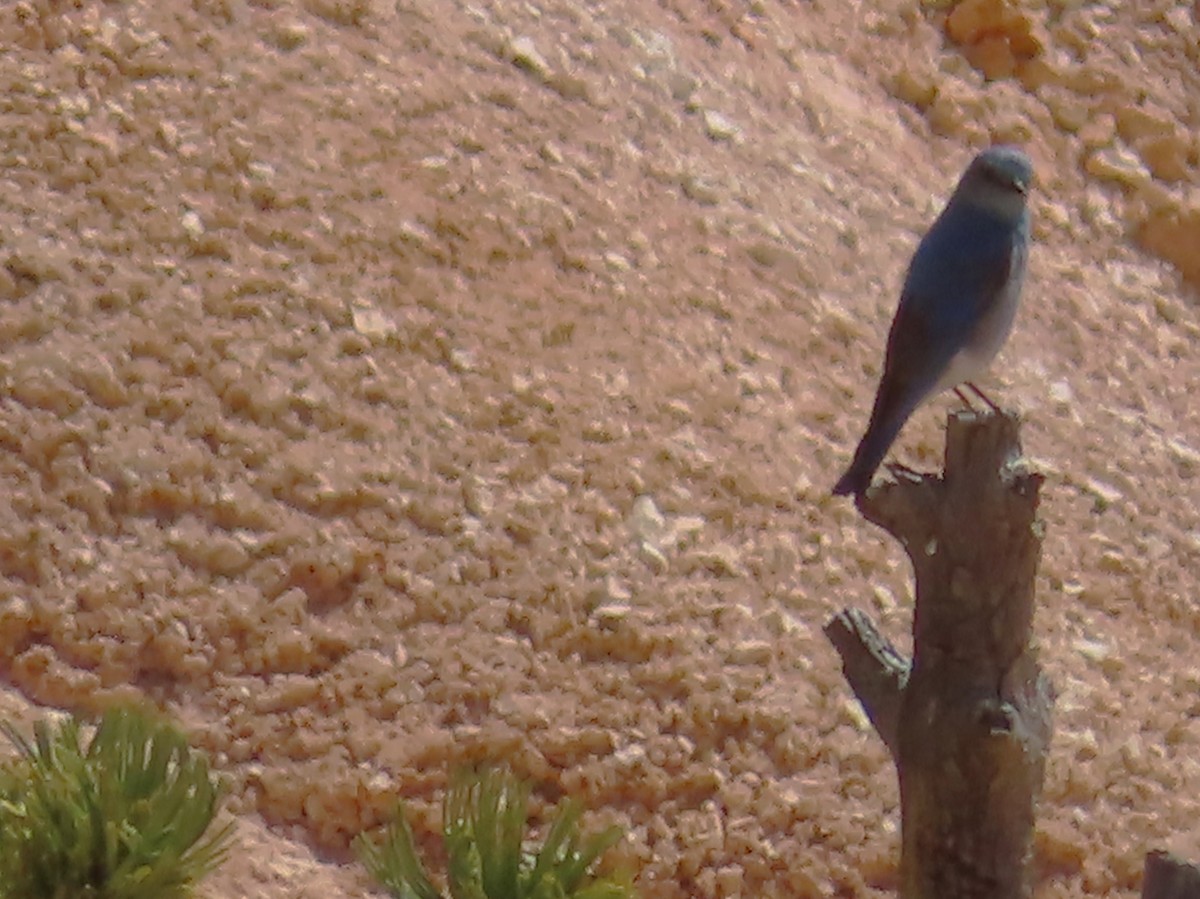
966, 366
973, 360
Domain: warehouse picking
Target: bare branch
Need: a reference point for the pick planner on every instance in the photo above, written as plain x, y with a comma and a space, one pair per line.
875, 670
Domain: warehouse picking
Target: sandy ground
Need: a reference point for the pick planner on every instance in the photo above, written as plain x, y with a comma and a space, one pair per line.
392, 386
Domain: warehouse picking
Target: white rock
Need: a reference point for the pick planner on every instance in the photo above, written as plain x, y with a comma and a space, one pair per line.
526, 56
718, 127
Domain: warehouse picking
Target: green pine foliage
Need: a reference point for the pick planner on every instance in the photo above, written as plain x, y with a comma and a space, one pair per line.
484, 820
124, 817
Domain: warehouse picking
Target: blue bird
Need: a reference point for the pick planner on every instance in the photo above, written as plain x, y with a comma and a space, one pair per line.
959, 300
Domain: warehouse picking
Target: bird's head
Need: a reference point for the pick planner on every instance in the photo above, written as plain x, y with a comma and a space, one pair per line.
998, 179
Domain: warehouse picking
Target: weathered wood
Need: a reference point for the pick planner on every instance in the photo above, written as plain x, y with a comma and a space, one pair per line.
1168, 877
972, 719
875, 670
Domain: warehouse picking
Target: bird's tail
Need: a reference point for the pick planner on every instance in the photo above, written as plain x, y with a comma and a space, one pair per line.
881, 433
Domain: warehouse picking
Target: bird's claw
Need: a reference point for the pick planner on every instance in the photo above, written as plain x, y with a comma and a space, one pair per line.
897, 469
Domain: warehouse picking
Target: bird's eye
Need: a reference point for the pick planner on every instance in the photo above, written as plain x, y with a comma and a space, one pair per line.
1003, 179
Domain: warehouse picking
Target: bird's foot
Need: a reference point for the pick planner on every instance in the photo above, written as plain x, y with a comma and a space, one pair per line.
899, 469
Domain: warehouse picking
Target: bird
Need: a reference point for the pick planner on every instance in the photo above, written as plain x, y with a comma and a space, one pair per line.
958, 303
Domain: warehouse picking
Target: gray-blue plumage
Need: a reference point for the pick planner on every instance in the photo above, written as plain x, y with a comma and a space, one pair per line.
959, 300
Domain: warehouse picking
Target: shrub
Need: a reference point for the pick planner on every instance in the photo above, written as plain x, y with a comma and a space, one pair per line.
123, 818
483, 824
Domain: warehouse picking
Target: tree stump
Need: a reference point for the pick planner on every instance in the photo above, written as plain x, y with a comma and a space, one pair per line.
1168, 877
968, 721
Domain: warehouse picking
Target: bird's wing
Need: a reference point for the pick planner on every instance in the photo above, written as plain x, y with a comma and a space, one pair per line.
960, 270
912, 366
917, 355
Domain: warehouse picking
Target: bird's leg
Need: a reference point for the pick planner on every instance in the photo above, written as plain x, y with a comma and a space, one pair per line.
983, 396
964, 399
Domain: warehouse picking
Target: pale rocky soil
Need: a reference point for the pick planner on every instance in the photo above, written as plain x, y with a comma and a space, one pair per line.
387, 387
